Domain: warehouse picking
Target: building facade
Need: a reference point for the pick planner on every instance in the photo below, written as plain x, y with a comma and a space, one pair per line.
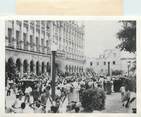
28, 45
113, 60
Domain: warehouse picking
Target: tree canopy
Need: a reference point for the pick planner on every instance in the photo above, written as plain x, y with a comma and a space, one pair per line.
127, 36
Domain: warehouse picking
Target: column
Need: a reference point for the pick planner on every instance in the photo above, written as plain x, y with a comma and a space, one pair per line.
40, 42
45, 45
45, 66
28, 68
51, 31
21, 42
71, 38
28, 36
62, 38
34, 68
75, 37
40, 66
14, 35
83, 44
6, 33
21, 72
53, 74
34, 37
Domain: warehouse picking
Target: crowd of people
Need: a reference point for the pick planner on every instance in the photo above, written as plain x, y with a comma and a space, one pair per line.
34, 93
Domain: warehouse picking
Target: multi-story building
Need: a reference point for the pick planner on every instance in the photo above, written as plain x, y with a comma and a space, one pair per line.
28, 45
113, 60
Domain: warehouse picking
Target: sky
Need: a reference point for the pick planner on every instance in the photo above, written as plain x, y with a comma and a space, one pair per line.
100, 35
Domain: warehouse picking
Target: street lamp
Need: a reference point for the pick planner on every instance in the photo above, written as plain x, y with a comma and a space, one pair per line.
53, 70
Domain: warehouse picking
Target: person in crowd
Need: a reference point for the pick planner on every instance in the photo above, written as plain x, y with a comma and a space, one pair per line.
11, 82
8, 90
75, 92
112, 83
17, 103
69, 89
37, 107
44, 98
122, 90
126, 98
58, 93
73, 107
22, 108
36, 94
28, 91
54, 108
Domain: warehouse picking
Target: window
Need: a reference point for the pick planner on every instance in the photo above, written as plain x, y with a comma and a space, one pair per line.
9, 35
114, 62
31, 42
37, 44
18, 39
47, 44
42, 42
104, 63
25, 42
91, 63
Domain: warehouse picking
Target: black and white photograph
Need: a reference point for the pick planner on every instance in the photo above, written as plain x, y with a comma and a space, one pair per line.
70, 66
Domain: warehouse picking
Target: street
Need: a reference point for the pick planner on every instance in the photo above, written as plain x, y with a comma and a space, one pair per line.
113, 104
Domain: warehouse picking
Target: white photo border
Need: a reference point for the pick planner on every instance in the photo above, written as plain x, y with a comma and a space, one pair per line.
79, 18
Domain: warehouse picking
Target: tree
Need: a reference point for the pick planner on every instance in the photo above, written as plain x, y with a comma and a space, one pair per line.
127, 36
93, 99
90, 71
117, 72
11, 70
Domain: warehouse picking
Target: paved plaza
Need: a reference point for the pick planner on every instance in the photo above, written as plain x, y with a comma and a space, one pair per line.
114, 105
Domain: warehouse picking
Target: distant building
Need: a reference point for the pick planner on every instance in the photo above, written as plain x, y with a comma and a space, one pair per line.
28, 45
113, 60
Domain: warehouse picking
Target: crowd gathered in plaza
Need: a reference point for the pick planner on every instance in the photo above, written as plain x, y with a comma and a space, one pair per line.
33, 94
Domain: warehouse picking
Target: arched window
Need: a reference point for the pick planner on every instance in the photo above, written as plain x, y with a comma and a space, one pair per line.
91, 63
31, 66
18, 65
69, 68
66, 68
37, 68
48, 68
10, 68
43, 67
25, 66
114, 62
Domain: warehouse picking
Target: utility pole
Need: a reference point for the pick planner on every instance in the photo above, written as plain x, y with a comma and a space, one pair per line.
53, 73
53, 69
